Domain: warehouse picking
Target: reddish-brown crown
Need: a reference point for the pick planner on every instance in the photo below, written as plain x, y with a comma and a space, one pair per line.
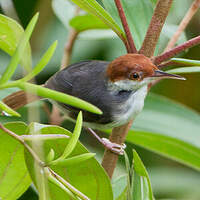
130, 66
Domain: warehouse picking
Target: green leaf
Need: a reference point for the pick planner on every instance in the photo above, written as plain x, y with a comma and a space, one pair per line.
50, 155
141, 183
184, 70
42, 63
94, 8
19, 52
73, 139
10, 35
129, 176
166, 117
85, 22
14, 177
88, 177
8, 110
186, 61
57, 183
120, 188
73, 160
99, 34
64, 10
170, 147
165, 127
179, 182
58, 96
138, 13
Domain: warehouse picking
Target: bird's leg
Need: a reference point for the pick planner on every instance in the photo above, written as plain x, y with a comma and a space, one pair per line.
116, 148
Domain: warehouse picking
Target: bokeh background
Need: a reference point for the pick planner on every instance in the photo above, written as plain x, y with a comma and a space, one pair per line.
170, 180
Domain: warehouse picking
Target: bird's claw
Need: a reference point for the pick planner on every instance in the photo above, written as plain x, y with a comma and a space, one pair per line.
114, 147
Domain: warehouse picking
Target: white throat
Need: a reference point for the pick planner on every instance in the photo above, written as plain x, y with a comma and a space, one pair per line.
128, 85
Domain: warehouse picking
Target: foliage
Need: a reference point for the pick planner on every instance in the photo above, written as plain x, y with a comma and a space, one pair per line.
52, 157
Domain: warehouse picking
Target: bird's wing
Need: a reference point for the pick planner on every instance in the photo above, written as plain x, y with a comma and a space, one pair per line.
81, 80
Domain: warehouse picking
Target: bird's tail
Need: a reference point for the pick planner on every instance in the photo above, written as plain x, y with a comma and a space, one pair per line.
19, 99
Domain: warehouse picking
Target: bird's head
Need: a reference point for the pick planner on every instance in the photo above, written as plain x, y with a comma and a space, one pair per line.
132, 71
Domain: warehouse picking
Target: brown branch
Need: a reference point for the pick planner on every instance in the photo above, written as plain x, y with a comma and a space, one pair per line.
158, 19
118, 136
171, 53
192, 10
69, 44
129, 37
68, 48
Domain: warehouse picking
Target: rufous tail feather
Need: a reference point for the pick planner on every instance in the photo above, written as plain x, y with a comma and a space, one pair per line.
19, 99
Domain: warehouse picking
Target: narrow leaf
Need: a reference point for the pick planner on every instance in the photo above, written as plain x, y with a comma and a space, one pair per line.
8, 110
85, 22
138, 13
186, 61
184, 70
129, 174
58, 96
74, 160
56, 182
75, 136
19, 52
64, 10
42, 63
169, 147
94, 8
50, 155
141, 182
120, 187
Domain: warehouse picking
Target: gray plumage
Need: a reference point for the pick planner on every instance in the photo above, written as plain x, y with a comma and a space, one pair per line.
86, 80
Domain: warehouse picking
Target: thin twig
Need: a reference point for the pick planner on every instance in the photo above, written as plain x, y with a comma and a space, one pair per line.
68, 48
126, 27
158, 19
69, 44
171, 53
192, 10
68, 185
118, 136
19, 139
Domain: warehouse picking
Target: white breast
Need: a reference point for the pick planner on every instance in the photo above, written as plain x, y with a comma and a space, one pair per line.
135, 104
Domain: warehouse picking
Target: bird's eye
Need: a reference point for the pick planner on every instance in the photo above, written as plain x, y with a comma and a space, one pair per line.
135, 76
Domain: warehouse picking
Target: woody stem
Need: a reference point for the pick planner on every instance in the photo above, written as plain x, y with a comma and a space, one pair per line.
153, 33
192, 10
169, 54
131, 45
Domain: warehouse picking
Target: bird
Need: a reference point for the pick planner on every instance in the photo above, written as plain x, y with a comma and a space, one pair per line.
118, 88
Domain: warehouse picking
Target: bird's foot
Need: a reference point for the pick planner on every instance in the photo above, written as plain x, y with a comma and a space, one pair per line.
114, 147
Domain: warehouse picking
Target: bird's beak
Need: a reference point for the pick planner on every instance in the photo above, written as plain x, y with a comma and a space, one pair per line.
162, 74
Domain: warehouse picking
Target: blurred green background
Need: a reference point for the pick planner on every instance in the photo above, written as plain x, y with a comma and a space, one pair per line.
169, 179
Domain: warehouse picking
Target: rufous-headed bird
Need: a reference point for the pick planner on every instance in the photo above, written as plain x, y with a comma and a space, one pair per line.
118, 88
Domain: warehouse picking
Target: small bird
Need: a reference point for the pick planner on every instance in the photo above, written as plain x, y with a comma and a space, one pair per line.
118, 88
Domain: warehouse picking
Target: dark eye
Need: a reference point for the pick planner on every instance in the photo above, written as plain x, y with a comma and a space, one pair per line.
135, 75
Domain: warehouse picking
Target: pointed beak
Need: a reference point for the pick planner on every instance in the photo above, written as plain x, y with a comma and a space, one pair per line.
162, 74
